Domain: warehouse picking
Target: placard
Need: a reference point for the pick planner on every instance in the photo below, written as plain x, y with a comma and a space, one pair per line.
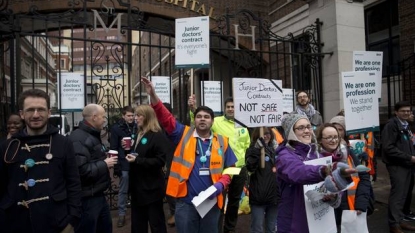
162, 88
212, 95
361, 106
320, 215
192, 42
288, 100
369, 61
72, 92
258, 102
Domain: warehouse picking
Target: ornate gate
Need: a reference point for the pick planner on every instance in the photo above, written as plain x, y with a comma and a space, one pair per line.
112, 44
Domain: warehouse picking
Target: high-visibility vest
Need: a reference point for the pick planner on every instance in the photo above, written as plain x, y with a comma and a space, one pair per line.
184, 160
370, 150
278, 137
351, 192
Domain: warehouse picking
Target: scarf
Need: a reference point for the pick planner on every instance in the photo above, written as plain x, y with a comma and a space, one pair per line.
309, 112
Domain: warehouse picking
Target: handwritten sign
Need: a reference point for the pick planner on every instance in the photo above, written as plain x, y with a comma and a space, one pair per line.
192, 42
212, 95
361, 106
258, 102
162, 88
72, 92
320, 215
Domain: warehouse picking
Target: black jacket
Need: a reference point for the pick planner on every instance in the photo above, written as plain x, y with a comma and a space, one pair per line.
61, 184
397, 147
90, 155
146, 175
118, 132
263, 186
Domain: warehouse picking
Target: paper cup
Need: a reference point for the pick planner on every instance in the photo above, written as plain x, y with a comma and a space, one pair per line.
112, 153
127, 141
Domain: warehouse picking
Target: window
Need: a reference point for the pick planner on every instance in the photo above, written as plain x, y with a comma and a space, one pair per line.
301, 71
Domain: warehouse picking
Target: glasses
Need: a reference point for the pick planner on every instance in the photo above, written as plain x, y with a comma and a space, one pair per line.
330, 139
267, 133
32, 111
302, 128
302, 97
405, 111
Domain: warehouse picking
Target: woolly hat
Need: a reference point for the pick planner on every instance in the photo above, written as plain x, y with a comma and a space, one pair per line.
289, 121
339, 120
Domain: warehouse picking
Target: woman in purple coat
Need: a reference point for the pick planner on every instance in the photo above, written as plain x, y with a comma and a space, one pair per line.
292, 173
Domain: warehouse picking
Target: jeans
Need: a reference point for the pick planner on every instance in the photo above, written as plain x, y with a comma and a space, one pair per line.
96, 216
261, 212
188, 219
123, 193
234, 196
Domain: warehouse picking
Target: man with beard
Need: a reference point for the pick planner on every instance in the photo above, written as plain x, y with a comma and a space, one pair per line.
304, 107
124, 128
93, 166
40, 189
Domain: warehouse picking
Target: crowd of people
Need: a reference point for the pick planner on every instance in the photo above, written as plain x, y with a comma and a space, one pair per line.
52, 183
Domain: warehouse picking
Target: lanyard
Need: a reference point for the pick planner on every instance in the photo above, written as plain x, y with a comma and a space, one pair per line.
203, 158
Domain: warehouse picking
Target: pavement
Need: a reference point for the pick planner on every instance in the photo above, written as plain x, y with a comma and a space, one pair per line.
377, 222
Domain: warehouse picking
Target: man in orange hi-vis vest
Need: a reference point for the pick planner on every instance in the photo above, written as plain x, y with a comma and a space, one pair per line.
198, 163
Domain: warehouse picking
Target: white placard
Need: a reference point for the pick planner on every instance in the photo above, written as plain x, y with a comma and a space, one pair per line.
162, 88
369, 61
212, 95
288, 100
320, 215
258, 102
72, 92
192, 42
361, 106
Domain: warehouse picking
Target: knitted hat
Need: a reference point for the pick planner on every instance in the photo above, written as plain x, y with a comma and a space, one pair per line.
339, 120
335, 181
289, 121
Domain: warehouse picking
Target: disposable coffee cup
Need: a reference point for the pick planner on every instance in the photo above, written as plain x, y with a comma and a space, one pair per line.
112, 153
134, 154
127, 141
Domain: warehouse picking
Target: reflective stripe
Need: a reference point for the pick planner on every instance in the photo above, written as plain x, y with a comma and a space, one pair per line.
221, 144
186, 139
176, 175
351, 192
217, 170
182, 161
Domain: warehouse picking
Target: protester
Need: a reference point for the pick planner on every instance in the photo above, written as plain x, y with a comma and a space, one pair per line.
198, 163
239, 141
398, 155
304, 107
263, 187
146, 173
40, 189
124, 128
292, 173
93, 166
357, 197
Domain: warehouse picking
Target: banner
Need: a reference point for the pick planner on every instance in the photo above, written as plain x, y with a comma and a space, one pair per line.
258, 102
72, 92
212, 95
162, 88
288, 100
192, 42
320, 215
361, 106
369, 61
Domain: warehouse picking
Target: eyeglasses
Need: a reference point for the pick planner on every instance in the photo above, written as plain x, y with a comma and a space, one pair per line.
32, 111
302, 97
405, 111
330, 139
267, 133
302, 128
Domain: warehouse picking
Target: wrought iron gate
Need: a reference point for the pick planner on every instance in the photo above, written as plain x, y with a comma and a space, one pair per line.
38, 46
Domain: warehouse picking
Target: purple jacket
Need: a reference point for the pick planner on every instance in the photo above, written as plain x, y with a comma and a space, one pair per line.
292, 174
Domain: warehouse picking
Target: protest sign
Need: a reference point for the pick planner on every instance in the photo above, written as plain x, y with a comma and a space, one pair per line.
320, 215
288, 100
369, 61
361, 106
258, 102
162, 88
72, 92
192, 42
212, 95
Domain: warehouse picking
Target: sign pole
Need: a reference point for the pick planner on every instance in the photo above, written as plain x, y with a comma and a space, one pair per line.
261, 134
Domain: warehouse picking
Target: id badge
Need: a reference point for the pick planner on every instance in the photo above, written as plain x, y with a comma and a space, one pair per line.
204, 171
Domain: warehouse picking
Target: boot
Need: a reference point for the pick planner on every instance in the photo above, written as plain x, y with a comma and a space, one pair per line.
407, 226
171, 221
121, 221
395, 229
